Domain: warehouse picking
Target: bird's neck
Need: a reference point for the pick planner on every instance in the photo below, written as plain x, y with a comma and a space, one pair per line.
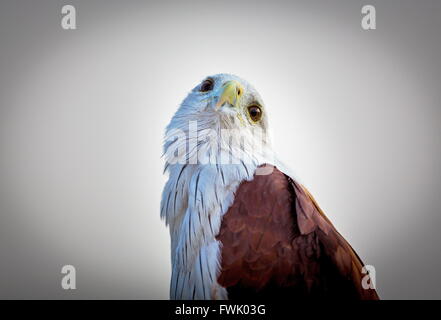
200, 189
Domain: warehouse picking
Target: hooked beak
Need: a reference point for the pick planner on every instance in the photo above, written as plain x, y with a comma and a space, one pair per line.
231, 91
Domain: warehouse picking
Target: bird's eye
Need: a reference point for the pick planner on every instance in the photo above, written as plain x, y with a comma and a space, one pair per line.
207, 85
255, 113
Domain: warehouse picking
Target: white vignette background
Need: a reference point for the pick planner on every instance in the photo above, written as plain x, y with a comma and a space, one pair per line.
355, 114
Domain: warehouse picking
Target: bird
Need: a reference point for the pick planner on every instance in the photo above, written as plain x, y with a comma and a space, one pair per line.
241, 225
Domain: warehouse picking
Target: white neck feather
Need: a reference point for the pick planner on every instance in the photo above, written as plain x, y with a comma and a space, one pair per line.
194, 199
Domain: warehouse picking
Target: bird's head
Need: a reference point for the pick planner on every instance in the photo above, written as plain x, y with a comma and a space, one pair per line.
222, 105
229, 99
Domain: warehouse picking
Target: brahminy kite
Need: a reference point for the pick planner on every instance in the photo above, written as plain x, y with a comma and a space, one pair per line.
240, 225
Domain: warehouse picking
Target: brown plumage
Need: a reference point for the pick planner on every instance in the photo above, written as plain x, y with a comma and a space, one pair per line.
277, 243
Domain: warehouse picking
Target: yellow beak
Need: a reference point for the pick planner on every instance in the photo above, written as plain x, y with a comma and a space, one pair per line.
231, 93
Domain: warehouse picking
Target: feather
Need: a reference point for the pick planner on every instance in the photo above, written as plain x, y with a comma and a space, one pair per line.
292, 247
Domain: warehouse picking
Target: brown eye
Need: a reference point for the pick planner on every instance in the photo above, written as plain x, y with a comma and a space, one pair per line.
207, 85
255, 113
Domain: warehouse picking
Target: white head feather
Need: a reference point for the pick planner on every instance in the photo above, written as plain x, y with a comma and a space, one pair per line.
216, 140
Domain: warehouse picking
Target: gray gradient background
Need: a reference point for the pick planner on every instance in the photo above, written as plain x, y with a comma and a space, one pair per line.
356, 114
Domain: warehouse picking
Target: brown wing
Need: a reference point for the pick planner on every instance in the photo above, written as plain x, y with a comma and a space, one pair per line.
277, 243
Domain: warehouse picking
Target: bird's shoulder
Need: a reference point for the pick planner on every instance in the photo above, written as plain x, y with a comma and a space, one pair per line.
275, 236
